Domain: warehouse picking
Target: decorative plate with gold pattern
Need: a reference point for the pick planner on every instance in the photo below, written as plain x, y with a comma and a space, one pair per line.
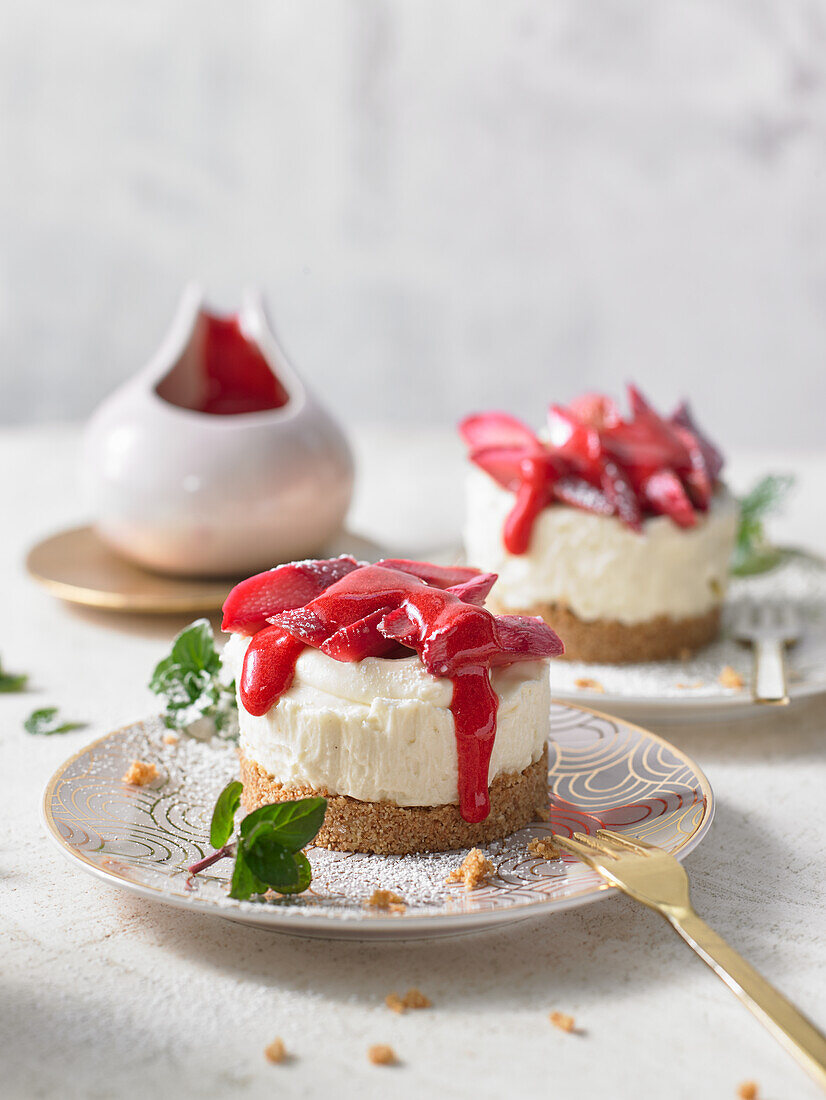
603, 772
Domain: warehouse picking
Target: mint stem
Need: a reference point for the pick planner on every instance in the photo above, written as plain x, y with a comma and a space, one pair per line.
207, 861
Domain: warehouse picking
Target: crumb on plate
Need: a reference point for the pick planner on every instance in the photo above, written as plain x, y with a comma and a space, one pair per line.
276, 1052
696, 684
386, 899
381, 1055
140, 773
562, 1021
473, 871
170, 738
413, 998
543, 847
747, 1090
730, 678
585, 683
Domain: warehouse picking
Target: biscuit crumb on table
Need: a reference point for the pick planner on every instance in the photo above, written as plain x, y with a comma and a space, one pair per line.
381, 1055
730, 678
562, 1021
413, 998
475, 870
747, 1090
140, 773
544, 847
276, 1052
587, 684
386, 899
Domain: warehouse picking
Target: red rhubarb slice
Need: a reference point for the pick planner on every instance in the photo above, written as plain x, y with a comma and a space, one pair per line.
250, 604
665, 494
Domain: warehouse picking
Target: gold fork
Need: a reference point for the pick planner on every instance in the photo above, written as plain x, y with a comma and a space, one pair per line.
656, 879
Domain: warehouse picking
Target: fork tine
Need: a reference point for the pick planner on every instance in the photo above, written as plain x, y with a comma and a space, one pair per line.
622, 840
582, 851
599, 846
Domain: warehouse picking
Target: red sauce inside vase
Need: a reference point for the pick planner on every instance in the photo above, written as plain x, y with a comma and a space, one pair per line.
222, 372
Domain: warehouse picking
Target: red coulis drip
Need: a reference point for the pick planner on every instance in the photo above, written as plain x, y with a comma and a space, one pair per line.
372, 610
597, 461
232, 375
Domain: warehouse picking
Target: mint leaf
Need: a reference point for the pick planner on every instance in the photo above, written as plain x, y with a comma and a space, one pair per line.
10, 681
305, 875
269, 860
295, 823
45, 722
244, 883
753, 553
190, 681
267, 852
223, 816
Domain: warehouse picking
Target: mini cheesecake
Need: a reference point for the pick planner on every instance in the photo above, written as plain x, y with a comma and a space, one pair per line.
616, 531
393, 692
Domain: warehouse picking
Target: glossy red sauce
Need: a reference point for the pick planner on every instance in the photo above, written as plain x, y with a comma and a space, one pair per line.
222, 372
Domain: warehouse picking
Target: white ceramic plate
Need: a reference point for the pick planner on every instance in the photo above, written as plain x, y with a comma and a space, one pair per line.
690, 691
603, 771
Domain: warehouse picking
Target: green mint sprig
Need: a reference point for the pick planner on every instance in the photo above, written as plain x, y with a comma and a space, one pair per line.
10, 681
267, 848
753, 552
190, 680
45, 722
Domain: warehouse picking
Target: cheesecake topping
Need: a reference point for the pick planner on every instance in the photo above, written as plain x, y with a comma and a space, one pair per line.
350, 611
599, 461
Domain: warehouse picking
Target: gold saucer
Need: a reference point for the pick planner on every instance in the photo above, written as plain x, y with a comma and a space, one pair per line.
77, 566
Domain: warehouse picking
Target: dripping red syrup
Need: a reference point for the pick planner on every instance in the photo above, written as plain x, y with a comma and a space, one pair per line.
374, 611
222, 372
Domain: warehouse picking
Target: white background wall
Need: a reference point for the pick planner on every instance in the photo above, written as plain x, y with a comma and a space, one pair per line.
453, 204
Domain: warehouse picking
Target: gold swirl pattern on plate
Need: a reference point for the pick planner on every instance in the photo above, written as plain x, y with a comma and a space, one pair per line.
603, 771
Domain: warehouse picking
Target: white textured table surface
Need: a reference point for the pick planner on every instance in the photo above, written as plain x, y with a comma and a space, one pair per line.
103, 995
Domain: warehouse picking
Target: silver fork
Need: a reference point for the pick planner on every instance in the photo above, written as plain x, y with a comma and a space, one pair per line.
769, 626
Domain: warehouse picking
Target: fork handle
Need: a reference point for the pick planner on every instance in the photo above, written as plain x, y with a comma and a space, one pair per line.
769, 673
790, 1027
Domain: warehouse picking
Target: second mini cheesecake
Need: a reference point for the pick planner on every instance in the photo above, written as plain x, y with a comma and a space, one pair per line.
617, 530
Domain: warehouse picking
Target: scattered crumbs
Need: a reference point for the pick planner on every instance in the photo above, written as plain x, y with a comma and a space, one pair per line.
585, 683
276, 1052
730, 678
140, 773
544, 847
690, 687
747, 1090
473, 871
413, 998
386, 899
381, 1055
562, 1021
170, 738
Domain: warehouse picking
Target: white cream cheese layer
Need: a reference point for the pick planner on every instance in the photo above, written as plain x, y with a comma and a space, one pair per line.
381, 730
595, 565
